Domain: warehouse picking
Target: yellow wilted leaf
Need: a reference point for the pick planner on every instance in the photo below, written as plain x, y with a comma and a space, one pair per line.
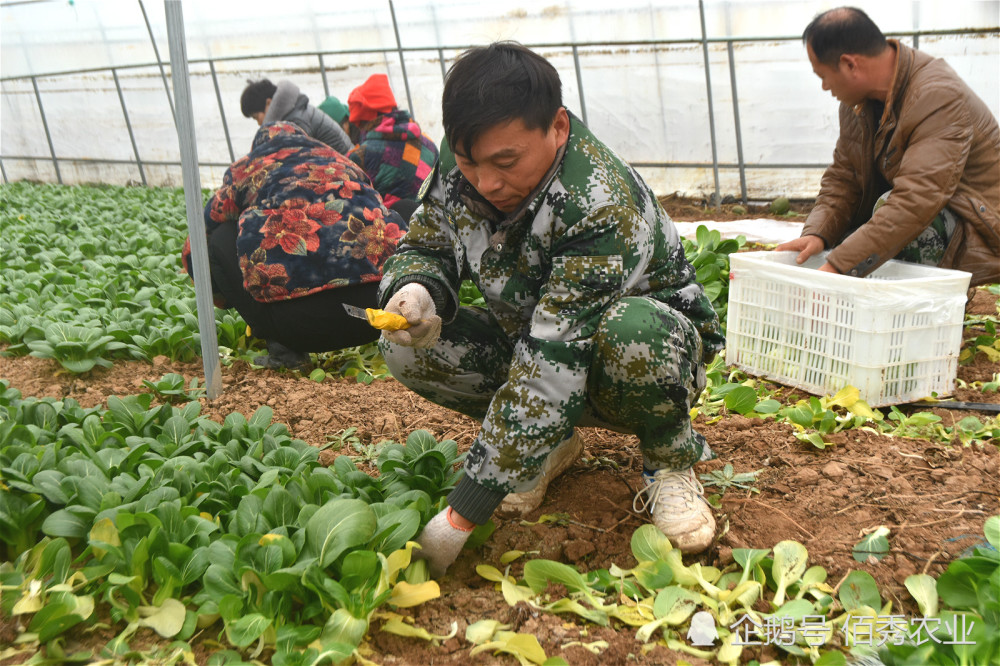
631, 615
861, 408
845, 397
482, 631
513, 593
730, 651
405, 595
106, 531
523, 646
396, 625
990, 352
31, 599
594, 648
510, 556
386, 321
490, 573
398, 560
166, 620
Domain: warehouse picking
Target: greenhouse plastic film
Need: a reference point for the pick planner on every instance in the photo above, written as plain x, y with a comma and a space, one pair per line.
894, 335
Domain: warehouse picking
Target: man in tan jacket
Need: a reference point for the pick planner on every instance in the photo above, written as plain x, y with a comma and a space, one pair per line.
909, 127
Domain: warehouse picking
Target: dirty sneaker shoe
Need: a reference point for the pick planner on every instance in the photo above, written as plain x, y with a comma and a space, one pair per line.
557, 462
279, 356
676, 503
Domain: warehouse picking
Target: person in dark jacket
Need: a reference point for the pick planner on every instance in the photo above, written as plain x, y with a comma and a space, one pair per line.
392, 149
267, 103
295, 231
916, 170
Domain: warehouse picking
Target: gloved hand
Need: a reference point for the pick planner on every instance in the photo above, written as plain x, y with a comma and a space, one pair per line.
414, 302
440, 542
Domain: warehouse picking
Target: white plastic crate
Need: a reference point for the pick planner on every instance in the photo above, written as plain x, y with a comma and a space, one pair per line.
894, 335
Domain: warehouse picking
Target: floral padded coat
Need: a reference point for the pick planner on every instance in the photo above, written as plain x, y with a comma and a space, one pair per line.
308, 217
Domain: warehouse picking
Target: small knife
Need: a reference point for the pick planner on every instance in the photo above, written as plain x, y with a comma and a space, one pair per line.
386, 321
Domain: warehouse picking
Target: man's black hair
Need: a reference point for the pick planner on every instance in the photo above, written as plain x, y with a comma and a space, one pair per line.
255, 96
843, 30
489, 85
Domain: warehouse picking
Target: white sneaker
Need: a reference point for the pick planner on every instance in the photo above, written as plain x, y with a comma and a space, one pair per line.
676, 503
557, 462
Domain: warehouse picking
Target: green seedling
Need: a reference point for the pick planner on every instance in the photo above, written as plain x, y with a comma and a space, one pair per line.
367, 453
365, 363
709, 255
986, 342
343, 439
162, 517
790, 560
727, 478
875, 545
171, 388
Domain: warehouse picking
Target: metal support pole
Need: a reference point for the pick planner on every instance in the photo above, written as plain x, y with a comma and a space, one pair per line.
4, 172
579, 84
711, 112
222, 111
402, 60
156, 52
444, 70
128, 125
45, 126
192, 199
322, 72
736, 118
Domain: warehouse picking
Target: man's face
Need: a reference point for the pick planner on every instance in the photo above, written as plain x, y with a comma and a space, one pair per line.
509, 160
842, 81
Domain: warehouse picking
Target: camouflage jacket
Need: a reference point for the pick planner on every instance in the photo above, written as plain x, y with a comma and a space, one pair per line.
591, 233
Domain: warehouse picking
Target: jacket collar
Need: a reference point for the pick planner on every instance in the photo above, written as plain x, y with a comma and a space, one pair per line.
900, 77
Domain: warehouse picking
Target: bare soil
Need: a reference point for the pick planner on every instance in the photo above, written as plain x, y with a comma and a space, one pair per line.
933, 497
688, 209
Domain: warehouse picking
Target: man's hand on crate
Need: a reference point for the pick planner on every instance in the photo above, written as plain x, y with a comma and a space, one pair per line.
807, 246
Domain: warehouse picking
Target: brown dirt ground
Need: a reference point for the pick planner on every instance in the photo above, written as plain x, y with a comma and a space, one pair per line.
687, 209
933, 497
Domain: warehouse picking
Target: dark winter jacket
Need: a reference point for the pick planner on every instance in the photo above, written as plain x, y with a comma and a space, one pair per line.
292, 106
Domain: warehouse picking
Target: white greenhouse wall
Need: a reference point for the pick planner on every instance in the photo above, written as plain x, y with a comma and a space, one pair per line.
649, 103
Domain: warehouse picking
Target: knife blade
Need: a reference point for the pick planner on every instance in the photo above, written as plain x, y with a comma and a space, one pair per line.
380, 319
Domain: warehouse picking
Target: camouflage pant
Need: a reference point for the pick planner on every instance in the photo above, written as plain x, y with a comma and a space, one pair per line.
929, 246
645, 372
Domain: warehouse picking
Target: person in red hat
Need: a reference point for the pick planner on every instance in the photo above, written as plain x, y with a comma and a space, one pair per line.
391, 148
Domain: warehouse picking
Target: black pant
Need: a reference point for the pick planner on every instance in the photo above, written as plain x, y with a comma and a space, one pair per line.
313, 323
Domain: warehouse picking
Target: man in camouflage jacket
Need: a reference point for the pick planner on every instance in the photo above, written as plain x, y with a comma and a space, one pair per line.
592, 317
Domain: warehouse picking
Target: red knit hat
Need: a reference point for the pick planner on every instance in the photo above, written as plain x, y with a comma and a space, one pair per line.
370, 99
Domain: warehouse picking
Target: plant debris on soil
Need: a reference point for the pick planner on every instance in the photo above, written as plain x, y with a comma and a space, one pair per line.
934, 498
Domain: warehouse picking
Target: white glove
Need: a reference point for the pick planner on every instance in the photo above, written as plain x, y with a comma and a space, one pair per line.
414, 302
440, 542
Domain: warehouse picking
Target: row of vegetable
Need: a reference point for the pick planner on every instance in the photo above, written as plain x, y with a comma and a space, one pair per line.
175, 521
145, 513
